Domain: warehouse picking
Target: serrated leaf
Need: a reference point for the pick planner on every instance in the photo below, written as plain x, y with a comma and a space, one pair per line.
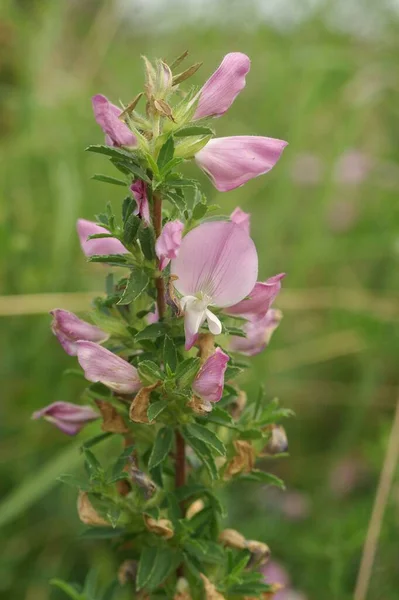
162, 446
150, 371
108, 179
181, 182
147, 241
151, 332
166, 153
203, 453
263, 477
72, 481
178, 201
93, 464
207, 436
193, 130
136, 170
136, 285
111, 259
170, 353
205, 550
199, 211
102, 533
156, 408
220, 417
109, 151
186, 371
131, 228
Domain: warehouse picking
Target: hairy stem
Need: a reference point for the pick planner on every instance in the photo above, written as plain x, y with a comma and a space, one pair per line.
159, 282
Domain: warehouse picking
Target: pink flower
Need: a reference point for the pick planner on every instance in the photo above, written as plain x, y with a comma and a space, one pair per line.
69, 418
102, 246
139, 191
106, 115
221, 89
168, 244
209, 382
242, 218
69, 329
217, 265
232, 161
258, 333
102, 365
260, 299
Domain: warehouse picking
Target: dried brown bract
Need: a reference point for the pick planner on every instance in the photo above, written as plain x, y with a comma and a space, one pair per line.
211, 592
112, 421
243, 461
232, 539
87, 514
161, 527
140, 403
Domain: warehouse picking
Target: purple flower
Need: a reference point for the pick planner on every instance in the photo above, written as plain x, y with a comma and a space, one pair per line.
209, 382
221, 89
258, 333
106, 115
69, 329
217, 265
168, 243
69, 418
139, 191
102, 246
102, 365
232, 161
260, 299
239, 217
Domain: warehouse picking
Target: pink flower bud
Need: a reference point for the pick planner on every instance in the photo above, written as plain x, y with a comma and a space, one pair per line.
68, 329
221, 89
102, 365
139, 191
209, 382
260, 299
69, 418
102, 246
232, 161
258, 334
106, 115
168, 244
239, 217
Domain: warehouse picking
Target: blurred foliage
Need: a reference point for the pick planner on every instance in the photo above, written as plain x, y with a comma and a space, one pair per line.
327, 215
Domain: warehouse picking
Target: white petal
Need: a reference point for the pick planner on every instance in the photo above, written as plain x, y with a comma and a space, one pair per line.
214, 323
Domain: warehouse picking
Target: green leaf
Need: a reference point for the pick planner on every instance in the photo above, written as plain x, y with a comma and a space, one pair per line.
170, 353
156, 564
220, 417
136, 170
202, 451
249, 589
162, 445
109, 593
193, 130
101, 533
128, 206
95, 440
111, 259
149, 371
263, 477
199, 211
207, 436
113, 514
156, 408
186, 371
177, 200
180, 182
166, 152
72, 481
67, 588
232, 372
151, 332
109, 151
147, 241
92, 463
107, 179
171, 165
136, 285
100, 236
131, 228
205, 550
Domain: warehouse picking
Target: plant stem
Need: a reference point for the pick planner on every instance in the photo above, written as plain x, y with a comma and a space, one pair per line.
159, 282
180, 477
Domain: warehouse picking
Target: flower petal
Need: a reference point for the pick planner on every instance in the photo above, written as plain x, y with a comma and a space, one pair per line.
260, 299
168, 243
194, 316
258, 333
106, 115
102, 246
69, 418
221, 89
68, 328
232, 161
217, 259
214, 323
102, 365
210, 380
239, 217
139, 191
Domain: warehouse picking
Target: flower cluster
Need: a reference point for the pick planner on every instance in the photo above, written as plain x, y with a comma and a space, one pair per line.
163, 346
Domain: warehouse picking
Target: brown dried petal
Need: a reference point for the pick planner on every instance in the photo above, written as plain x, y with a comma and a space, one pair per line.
259, 550
143, 481
161, 527
211, 592
278, 441
127, 571
130, 107
187, 73
194, 508
178, 60
243, 461
112, 420
232, 539
206, 345
140, 403
87, 514
199, 406
164, 109
238, 405
171, 299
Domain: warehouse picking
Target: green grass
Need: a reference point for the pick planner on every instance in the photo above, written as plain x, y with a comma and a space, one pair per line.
325, 93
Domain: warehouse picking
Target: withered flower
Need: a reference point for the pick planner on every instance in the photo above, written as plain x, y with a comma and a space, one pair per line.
243, 461
161, 527
87, 513
112, 421
140, 403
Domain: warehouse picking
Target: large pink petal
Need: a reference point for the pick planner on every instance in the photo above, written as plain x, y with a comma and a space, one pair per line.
232, 161
68, 328
102, 365
102, 246
260, 299
217, 259
221, 89
209, 382
168, 244
258, 334
106, 115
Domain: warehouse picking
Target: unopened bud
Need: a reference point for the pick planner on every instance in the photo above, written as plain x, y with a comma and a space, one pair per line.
194, 508
127, 572
211, 592
139, 406
161, 527
186, 74
182, 590
87, 514
112, 420
260, 552
277, 442
232, 539
243, 461
150, 76
163, 109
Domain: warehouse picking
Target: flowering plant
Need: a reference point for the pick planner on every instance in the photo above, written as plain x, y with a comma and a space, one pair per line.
163, 347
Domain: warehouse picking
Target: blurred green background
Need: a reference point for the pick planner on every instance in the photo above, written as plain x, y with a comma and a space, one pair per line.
324, 77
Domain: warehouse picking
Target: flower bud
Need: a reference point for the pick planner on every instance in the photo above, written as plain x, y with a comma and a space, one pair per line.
112, 420
211, 592
260, 552
69, 418
209, 382
127, 572
168, 243
243, 461
161, 527
68, 329
277, 442
194, 508
232, 539
199, 406
140, 404
87, 514
182, 590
